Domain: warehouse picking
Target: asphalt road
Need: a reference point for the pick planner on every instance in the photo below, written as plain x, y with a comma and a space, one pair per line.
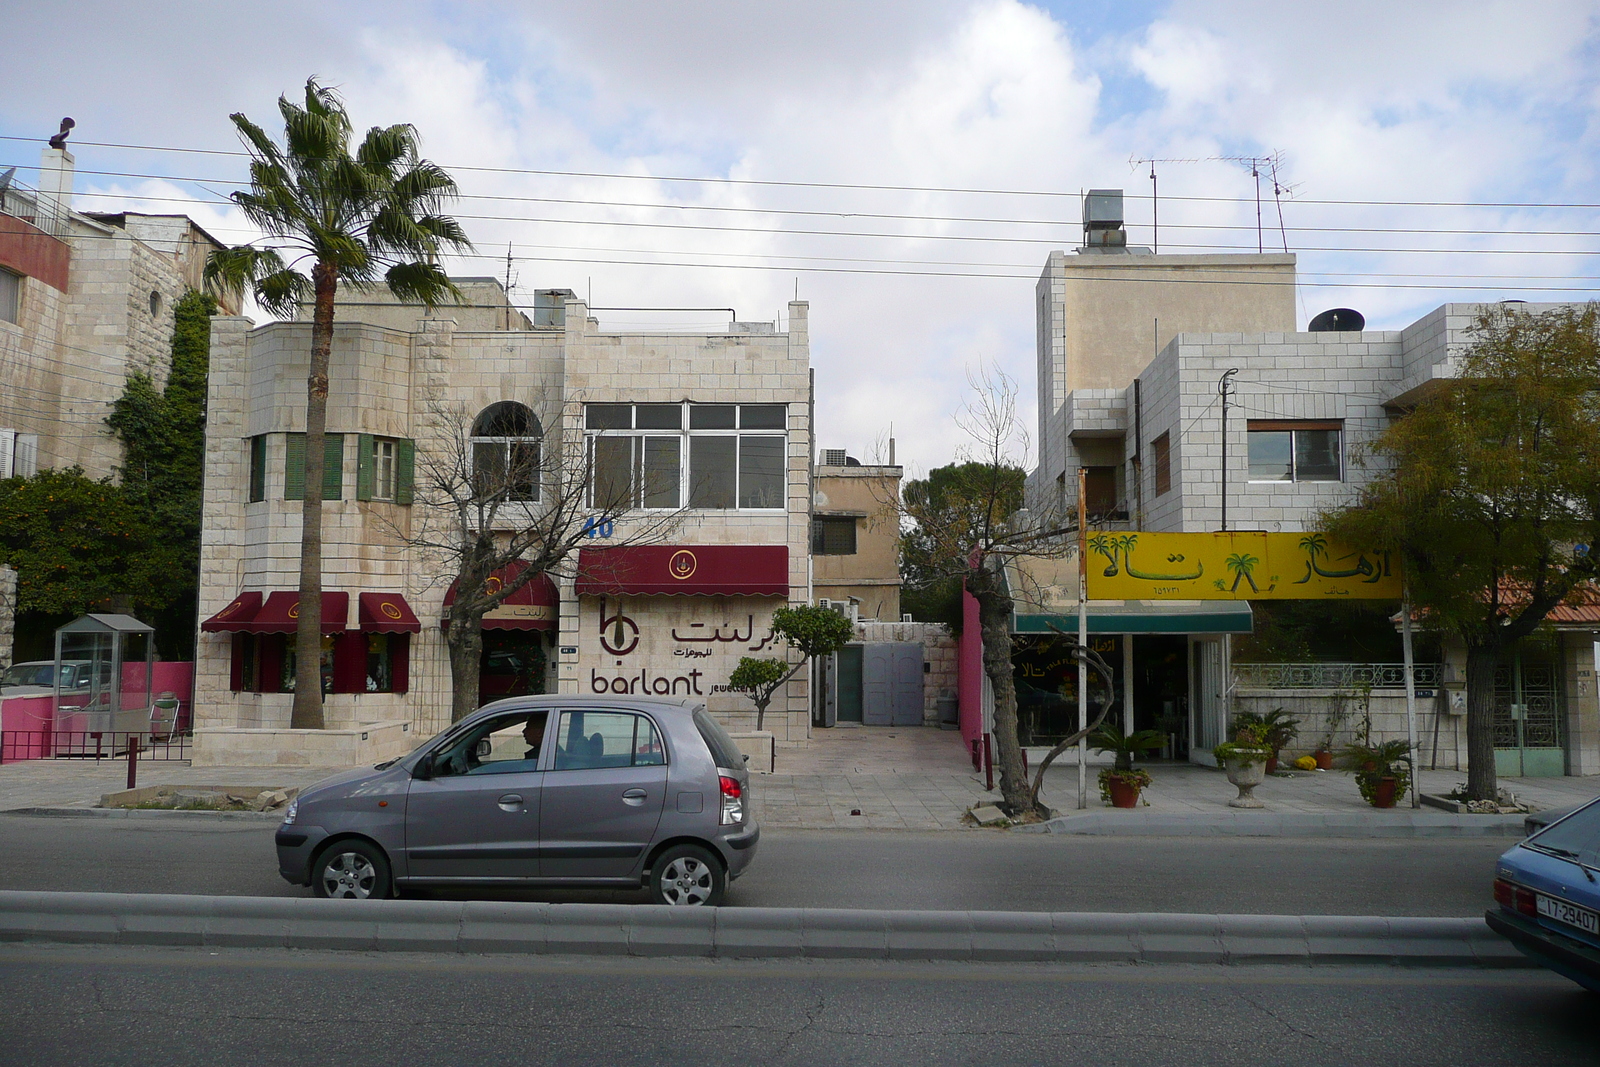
855, 869
179, 1007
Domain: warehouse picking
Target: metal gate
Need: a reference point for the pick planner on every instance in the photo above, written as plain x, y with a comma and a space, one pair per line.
1527, 719
891, 683
1208, 701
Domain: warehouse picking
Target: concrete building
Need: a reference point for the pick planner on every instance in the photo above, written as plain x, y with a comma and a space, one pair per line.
855, 539
85, 300
721, 422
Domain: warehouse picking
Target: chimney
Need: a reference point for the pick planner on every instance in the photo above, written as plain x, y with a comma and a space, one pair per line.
55, 189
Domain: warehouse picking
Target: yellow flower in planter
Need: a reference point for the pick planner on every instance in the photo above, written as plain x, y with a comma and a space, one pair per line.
1306, 763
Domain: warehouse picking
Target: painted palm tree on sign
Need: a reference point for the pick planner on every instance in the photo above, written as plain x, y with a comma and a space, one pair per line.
362, 220
1242, 564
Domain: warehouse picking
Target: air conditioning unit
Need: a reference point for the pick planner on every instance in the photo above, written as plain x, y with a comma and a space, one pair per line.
833, 457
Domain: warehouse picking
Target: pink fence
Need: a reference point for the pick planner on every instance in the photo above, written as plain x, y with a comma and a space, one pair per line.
34, 717
969, 661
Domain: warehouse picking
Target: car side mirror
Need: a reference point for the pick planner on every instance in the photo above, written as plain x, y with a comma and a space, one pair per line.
424, 768
485, 748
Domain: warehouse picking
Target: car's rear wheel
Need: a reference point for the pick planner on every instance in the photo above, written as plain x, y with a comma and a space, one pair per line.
352, 870
687, 876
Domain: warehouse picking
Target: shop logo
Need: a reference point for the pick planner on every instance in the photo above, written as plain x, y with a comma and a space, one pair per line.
682, 564
390, 610
294, 612
619, 634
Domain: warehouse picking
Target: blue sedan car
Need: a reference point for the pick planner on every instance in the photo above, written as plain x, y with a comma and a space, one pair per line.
1548, 892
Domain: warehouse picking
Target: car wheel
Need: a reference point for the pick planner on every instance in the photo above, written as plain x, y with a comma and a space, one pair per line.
351, 870
687, 876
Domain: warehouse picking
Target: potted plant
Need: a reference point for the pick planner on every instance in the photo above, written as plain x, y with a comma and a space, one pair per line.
1382, 769
1278, 729
1121, 783
1338, 712
1245, 760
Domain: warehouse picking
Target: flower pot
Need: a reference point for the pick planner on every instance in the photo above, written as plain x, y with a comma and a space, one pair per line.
1324, 759
1123, 794
1383, 792
1246, 776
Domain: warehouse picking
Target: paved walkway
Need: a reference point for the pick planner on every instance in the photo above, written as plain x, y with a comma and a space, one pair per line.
874, 778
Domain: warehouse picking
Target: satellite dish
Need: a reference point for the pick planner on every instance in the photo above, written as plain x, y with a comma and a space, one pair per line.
5, 180
1338, 320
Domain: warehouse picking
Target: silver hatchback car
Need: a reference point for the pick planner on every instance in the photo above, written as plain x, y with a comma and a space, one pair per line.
544, 791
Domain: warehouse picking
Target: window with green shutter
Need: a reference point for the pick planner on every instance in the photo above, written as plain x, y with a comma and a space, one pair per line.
378, 462
405, 462
294, 466
365, 447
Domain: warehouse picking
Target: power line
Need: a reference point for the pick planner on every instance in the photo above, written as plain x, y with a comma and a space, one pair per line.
717, 180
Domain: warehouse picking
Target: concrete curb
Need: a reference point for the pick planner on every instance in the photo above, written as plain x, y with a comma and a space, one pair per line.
144, 813
1400, 824
812, 933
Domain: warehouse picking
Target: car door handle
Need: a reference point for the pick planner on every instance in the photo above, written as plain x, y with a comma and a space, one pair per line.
511, 802
635, 797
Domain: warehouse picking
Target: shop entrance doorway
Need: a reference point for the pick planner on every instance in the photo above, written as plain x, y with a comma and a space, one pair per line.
1161, 690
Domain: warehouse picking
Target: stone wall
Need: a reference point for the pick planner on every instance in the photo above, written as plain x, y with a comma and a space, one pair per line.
1319, 712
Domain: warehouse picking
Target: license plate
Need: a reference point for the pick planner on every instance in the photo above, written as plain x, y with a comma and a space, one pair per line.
1562, 912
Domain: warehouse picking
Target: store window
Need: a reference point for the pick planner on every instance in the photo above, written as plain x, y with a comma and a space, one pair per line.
712, 456
506, 449
833, 535
1296, 451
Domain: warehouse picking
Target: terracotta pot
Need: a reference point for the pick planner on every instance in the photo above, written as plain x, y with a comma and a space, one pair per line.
1383, 793
1272, 764
1123, 794
1324, 759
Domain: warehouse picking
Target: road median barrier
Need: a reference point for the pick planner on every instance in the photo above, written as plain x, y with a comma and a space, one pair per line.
818, 933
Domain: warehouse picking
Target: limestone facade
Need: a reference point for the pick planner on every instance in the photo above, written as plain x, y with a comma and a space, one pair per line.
419, 377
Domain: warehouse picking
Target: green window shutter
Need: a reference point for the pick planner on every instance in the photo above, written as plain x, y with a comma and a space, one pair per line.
405, 462
364, 466
333, 466
258, 468
294, 466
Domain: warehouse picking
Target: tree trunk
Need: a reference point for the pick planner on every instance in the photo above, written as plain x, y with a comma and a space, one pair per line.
1482, 659
994, 619
307, 711
465, 641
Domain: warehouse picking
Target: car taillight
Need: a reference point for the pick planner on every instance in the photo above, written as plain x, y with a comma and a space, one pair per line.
732, 800
1514, 897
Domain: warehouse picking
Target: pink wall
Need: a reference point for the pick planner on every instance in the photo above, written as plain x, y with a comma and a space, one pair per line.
970, 670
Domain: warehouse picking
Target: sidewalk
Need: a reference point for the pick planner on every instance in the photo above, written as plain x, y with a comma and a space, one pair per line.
910, 778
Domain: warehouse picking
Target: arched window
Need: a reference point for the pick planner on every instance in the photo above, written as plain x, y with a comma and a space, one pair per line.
505, 451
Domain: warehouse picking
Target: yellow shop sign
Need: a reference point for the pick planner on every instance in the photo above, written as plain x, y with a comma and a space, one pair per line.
1236, 566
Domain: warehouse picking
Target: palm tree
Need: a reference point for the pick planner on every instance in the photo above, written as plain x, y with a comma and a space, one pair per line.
358, 220
1242, 564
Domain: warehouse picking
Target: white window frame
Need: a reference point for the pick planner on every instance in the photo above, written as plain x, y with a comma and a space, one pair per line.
686, 436
508, 445
383, 459
1290, 426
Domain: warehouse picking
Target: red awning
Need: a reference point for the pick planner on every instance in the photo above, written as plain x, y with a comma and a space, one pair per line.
236, 616
684, 570
386, 613
533, 607
281, 613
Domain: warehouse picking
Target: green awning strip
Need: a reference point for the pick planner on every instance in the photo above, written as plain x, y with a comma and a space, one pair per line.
1216, 617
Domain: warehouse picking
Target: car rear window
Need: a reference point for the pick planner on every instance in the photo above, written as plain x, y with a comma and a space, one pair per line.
1576, 837
723, 750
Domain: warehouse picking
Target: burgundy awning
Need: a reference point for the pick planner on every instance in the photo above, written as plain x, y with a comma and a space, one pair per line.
533, 607
386, 613
684, 570
281, 613
236, 616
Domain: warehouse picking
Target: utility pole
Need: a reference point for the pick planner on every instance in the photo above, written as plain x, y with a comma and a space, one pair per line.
1225, 390
1083, 632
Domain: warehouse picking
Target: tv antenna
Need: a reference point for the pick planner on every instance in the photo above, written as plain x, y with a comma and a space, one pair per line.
510, 284
1255, 164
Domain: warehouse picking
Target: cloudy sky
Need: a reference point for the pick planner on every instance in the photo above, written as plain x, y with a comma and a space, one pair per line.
904, 166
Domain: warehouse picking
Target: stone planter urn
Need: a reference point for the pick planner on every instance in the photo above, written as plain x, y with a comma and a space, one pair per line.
1247, 775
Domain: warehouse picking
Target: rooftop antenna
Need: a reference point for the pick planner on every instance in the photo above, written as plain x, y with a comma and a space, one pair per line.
1279, 191
510, 283
1155, 218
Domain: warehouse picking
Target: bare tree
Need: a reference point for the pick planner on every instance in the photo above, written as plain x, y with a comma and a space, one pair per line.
496, 489
964, 523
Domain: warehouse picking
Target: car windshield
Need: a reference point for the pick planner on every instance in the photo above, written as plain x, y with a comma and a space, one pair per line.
1577, 837
30, 674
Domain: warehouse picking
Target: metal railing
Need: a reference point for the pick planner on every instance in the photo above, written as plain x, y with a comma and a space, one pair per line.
1334, 675
19, 745
19, 201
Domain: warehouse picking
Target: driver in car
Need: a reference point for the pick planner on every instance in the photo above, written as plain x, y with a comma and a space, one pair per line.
533, 734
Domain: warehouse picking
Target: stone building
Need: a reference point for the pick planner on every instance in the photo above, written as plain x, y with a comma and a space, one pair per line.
855, 538
1148, 430
721, 421
85, 299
